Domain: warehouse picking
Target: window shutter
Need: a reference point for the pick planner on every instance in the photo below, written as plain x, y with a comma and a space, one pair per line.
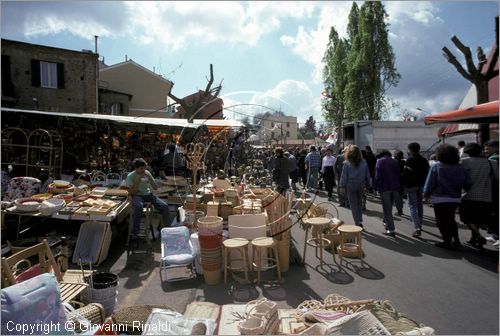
60, 75
35, 72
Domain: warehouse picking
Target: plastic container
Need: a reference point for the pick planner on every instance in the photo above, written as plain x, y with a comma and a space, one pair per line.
196, 249
192, 216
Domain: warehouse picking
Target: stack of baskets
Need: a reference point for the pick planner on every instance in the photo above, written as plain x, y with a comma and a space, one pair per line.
210, 237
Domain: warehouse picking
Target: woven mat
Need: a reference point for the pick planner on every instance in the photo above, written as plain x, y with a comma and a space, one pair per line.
232, 314
201, 309
138, 314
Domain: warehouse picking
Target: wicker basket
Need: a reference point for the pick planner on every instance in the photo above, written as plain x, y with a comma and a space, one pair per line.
93, 312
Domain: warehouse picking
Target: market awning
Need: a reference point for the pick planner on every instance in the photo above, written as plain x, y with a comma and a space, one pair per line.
483, 113
456, 129
137, 120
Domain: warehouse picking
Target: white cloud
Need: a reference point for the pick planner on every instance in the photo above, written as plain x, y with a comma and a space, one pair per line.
293, 97
310, 44
174, 24
423, 12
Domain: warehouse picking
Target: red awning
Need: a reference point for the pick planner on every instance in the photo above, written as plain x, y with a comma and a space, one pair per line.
456, 129
483, 113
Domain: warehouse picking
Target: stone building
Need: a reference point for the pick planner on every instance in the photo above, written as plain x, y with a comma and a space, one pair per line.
37, 77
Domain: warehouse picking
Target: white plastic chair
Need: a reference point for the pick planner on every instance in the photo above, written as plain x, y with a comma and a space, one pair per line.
113, 180
176, 251
98, 178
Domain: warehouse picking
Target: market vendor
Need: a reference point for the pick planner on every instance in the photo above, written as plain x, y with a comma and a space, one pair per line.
139, 184
171, 163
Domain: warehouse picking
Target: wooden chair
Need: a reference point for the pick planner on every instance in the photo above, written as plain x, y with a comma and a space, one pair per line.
46, 264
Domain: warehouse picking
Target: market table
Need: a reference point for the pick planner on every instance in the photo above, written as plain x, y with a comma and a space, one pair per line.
120, 212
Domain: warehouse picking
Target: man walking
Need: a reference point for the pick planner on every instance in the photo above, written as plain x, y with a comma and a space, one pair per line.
294, 170
414, 174
387, 175
313, 164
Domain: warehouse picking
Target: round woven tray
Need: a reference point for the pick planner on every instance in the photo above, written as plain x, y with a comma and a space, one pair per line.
140, 313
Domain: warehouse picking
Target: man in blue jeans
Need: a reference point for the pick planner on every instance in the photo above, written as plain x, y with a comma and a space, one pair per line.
139, 184
414, 174
313, 165
387, 182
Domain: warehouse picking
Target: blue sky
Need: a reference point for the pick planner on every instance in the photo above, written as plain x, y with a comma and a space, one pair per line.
271, 49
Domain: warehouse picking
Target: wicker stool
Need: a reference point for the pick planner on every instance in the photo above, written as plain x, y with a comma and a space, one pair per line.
266, 244
240, 245
318, 225
148, 222
350, 242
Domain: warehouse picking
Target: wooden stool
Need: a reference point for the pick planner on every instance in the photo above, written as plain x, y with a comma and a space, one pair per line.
318, 224
240, 245
148, 222
266, 244
350, 241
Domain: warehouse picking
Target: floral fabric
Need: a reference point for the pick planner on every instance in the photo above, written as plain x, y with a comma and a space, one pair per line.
20, 187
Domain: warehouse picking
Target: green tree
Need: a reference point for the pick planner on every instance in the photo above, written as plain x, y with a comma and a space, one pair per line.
311, 124
335, 80
371, 69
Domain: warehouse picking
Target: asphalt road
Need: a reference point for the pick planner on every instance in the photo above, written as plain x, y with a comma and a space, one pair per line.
454, 292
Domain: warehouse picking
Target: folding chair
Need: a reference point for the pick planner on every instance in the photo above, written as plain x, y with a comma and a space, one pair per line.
176, 252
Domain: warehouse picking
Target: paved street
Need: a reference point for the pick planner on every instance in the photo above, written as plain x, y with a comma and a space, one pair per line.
455, 292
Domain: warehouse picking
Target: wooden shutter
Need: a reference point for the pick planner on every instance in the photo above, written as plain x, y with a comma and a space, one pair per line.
60, 75
35, 72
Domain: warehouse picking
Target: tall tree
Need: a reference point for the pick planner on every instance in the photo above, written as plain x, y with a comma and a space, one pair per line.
335, 80
311, 125
371, 68
479, 76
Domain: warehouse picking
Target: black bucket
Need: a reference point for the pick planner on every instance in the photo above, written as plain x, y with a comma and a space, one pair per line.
102, 280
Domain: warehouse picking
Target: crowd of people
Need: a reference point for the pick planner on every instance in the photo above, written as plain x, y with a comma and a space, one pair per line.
461, 178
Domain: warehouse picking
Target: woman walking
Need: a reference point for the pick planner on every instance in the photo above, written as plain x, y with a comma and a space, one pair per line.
355, 177
476, 207
328, 173
443, 186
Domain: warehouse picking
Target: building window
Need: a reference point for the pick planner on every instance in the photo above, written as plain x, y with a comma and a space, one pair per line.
272, 124
287, 124
115, 109
287, 133
272, 135
47, 74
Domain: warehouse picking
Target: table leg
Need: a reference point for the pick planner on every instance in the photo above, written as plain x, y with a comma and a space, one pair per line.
305, 244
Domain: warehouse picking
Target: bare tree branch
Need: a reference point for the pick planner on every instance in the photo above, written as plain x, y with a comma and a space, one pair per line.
481, 57
468, 56
453, 61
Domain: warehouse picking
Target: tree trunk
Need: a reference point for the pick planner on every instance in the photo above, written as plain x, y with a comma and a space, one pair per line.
339, 127
483, 97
